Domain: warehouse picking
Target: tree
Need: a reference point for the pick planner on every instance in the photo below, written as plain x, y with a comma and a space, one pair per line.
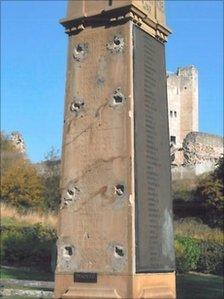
51, 181
9, 153
210, 194
219, 171
21, 185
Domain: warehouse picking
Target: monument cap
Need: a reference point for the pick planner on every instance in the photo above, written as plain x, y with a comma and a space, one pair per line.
147, 14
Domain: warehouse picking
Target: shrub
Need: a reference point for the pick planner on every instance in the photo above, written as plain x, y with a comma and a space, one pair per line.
210, 196
51, 193
28, 246
199, 255
187, 253
211, 259
21, 185
202, 197
195, 228
51, 181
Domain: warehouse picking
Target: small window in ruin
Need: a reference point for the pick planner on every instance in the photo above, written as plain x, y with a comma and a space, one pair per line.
173, 139
171, 113
175, 113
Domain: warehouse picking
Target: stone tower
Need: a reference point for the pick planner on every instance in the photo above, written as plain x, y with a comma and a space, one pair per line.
182, 89
115, 231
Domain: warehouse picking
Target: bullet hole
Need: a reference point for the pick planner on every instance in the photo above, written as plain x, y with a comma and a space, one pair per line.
77, 106
117, 45
70, 192
117, 41
68, 251
119, 190
80, 51
118, 251
70, 196
117, 97
79, 48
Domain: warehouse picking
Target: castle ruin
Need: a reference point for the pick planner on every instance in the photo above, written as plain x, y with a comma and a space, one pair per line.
192, 152
182, 89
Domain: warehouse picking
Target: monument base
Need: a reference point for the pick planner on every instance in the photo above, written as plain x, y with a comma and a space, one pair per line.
145, 286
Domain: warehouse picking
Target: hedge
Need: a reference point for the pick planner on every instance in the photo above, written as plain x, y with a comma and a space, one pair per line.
187, 253
197, 255
211, 258
28, 246
34, 246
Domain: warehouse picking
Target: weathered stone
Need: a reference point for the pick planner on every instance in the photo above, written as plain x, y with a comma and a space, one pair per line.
199, 154
26, 293
18, 141
115, 231
28, 283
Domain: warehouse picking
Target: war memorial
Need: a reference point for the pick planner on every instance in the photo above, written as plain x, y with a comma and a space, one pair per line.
115, 235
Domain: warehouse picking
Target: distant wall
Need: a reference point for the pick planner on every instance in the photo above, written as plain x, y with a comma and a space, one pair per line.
199, 154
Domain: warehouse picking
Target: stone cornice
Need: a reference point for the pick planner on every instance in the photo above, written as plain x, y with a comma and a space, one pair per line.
118, 15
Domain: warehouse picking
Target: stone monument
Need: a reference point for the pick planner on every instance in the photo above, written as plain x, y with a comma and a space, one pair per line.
115, 237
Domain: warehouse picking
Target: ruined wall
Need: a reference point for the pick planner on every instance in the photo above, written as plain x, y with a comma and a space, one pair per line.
182, 89
199, 154
202, 147
18, 141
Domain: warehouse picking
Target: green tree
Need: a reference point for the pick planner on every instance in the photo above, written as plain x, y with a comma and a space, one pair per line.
51, 181
210, 194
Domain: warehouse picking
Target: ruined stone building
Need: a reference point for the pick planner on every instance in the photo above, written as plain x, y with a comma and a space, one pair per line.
182, 89
192, 152
18, 142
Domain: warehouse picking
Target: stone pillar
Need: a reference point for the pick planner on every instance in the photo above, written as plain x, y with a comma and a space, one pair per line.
115, 229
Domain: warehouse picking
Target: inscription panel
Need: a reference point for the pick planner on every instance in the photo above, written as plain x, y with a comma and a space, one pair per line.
85, 277
154, 233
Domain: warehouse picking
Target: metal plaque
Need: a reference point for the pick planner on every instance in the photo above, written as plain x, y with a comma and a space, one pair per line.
85, 277
154, 228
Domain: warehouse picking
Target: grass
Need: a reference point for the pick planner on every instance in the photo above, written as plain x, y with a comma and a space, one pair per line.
196, 229
11, 216
196, 286
189, 286
26, 274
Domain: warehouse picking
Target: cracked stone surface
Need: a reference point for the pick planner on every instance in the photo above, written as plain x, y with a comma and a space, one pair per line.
96, 157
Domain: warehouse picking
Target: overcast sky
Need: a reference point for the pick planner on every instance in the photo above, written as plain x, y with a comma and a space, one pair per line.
33, 65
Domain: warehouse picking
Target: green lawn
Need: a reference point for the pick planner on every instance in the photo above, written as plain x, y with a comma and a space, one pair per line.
194, 286
26, 274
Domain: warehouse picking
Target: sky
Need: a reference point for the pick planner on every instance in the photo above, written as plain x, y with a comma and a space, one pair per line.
33, 66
